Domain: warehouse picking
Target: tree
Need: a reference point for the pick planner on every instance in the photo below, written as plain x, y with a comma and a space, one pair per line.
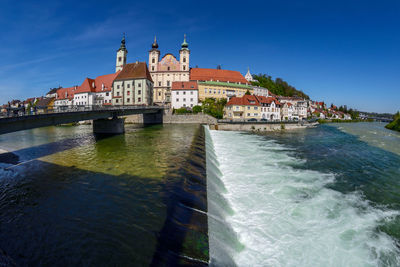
197, 109
247, 92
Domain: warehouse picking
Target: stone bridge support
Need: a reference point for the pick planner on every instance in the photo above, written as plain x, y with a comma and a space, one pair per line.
153, 118
109, 126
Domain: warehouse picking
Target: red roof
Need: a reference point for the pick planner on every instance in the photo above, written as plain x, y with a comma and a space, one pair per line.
104, 82
65, 93
268, 100
136, 70
192, 85
246, 100
199, 74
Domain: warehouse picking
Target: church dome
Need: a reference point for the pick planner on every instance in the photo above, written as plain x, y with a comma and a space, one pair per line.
154, 45
185, 44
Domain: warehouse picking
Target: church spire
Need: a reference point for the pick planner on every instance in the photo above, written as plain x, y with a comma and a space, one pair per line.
122, 47
154, 45
184, 44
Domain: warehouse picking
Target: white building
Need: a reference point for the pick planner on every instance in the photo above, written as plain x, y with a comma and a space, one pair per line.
184, 94
260, 91
248, 76
121, 56
168, 70
133, 86
270, 108
288, 112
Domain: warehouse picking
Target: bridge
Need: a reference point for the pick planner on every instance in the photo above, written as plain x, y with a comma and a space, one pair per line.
106, 120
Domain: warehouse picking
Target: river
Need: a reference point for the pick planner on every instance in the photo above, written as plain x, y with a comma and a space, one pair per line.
327, 196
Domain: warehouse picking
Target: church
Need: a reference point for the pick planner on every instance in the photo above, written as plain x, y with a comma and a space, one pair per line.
166, 70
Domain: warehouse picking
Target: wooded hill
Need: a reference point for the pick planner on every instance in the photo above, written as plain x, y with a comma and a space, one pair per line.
277, 86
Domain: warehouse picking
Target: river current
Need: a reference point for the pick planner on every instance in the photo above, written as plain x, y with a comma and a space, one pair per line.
177, 195
328, 196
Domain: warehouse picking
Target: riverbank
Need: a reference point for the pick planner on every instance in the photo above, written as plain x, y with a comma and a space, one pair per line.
262, 127
321, 121
394, 125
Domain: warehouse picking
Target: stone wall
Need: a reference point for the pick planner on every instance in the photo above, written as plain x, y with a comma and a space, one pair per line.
168, 118
257, 127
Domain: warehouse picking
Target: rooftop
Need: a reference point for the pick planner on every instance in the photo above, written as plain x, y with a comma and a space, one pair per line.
227, 84
200, 74
192, 85
136, 70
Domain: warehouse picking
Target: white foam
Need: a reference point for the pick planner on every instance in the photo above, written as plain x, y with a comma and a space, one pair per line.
285, 216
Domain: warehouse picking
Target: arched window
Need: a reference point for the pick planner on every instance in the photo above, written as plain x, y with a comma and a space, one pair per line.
184, 59
184, 67
119, 59
153, 60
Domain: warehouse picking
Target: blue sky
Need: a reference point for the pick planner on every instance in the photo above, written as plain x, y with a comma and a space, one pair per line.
345, 52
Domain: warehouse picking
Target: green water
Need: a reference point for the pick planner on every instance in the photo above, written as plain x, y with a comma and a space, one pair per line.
73, 199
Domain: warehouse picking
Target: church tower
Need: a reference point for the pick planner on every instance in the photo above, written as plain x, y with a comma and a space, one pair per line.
121, 56
154, 56
184, 54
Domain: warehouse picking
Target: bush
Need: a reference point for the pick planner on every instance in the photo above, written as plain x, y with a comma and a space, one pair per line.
197, 109
182, 111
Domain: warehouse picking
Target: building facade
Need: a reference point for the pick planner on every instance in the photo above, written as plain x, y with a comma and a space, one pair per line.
184, 95
248, 76
133, 86
242, 108
121, 56
167, 70
260, 91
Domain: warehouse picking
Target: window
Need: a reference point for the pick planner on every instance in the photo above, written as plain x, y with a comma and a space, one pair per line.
219, 91
116, 101
255, 108
184, 59
119, 59
139, 85
152, 68
191, 105
153, 60
191, 92
205, 91
128, 100
184, 67
184, 105
107, 94
248, 114
159, 93
184, 100
248, 108
139, 99
117, 93
128, 86
191, 100
128, 92
159, 83
177, 100
169, 68
184, 92
118, 86
167, 83
177, 93
139, 92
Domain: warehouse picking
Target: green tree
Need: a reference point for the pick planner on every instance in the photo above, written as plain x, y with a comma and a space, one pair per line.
197, 109
247, 92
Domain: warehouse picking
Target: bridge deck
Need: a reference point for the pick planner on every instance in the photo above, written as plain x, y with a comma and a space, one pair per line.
25, 122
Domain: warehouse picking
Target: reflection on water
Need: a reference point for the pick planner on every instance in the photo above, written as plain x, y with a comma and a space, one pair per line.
77, 201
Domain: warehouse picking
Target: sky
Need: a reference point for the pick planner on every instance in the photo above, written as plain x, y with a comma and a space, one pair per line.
341, 52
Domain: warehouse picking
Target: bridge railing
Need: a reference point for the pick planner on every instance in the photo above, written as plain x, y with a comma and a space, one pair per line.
22, 111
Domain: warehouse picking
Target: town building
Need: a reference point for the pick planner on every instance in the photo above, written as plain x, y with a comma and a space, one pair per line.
288, 112
260, 91
248, 76
218, 83
45, 105
270, 108
133, 86
300, 106
245, 107
168, 70
184, 94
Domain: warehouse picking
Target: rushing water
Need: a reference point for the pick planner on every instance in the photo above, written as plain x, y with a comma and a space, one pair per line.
68, 198
328, 196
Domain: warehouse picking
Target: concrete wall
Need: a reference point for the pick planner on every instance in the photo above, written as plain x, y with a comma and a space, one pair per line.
259, 127
187, 118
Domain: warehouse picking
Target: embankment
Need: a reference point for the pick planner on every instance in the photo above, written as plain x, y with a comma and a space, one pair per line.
260, 127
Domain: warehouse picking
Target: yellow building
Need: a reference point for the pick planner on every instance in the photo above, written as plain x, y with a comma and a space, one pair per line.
246, 107
218, 90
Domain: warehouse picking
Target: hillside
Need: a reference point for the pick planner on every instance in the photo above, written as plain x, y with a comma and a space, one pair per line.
394, 125
277, 86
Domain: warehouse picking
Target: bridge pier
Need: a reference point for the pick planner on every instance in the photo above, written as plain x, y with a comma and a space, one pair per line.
109, 126
153, 118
